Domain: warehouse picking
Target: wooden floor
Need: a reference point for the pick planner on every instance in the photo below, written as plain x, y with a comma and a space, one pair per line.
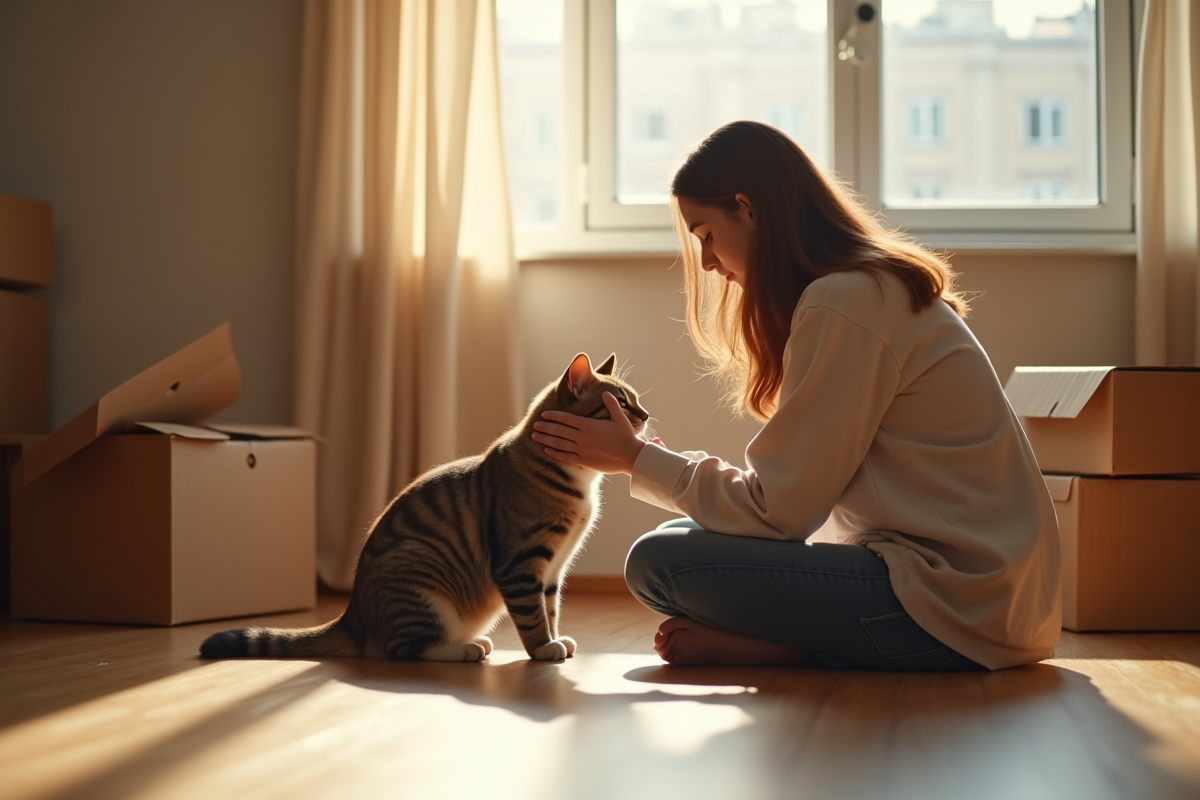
98, 712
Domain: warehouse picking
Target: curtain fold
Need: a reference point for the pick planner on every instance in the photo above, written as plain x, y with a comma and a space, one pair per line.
406, 345
1168, 185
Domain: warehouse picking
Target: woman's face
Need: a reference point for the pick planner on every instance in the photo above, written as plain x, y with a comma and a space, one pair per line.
727, 240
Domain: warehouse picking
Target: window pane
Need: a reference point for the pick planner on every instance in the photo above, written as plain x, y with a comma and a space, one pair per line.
992, 101
686, 67
529, 34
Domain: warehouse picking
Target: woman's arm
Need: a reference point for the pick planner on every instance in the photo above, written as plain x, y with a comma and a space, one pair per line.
838, 381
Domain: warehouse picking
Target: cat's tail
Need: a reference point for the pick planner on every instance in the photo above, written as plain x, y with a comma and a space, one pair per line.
329, 639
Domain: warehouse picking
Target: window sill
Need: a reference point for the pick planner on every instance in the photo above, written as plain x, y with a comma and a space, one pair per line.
535, 246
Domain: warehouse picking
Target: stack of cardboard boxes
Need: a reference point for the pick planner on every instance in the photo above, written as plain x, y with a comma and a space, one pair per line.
26, 257
1120, 451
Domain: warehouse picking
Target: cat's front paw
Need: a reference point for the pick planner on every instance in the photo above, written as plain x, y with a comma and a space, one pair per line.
553, 650
570, 643
486, 643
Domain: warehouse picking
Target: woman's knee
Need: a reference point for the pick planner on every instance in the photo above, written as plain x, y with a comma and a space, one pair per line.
648, 564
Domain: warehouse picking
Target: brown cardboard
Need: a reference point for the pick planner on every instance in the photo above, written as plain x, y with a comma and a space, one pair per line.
165, 521
26, 250
187, 387
24, 333
10, 453
1129, 552
1110, 421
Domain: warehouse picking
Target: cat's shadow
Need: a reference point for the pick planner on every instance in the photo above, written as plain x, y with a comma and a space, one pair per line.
537, 690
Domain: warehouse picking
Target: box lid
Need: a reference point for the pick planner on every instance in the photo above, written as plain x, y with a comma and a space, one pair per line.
185, 388
1062, 392
1052, 391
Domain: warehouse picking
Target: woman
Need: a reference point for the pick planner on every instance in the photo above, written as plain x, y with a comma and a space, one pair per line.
884, 422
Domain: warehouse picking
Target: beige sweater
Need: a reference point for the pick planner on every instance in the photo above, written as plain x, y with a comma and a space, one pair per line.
893, 427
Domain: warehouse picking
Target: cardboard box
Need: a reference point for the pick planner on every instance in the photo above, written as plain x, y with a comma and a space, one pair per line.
165, 521
1110, 420
10, 452
26, 242
1130, 547
24, 335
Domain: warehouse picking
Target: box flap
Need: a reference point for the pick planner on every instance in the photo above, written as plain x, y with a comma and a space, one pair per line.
1060, 392
187, 387
262, 431
1060, 487
186, 431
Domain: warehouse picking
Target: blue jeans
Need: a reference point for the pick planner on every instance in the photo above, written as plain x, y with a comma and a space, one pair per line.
832, 600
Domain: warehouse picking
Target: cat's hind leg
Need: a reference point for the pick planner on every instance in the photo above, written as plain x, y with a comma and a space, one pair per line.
455, 651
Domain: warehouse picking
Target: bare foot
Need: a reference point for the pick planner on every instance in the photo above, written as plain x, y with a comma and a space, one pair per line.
681, 641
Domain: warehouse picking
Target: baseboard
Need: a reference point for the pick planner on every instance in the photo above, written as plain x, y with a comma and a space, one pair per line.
595, 584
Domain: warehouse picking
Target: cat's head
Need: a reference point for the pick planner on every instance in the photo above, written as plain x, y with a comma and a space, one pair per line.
581, 390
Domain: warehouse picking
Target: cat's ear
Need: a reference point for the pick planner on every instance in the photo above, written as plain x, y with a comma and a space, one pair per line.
578, 376
607, 367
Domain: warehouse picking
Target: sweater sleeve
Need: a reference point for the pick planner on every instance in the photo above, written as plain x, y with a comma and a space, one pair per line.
838, 381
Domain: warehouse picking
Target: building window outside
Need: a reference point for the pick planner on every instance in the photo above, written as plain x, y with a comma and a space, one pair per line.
1046, 188
925, 121
1044, 123
926, 188
650, 126
544, 132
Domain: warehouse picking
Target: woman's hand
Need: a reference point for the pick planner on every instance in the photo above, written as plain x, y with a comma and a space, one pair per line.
605, 445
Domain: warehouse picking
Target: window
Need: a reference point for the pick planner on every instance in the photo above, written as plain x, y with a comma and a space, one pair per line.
529, 37
1044, 123
953, 118
925, 121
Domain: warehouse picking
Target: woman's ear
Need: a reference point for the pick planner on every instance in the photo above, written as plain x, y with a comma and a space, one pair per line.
746, 207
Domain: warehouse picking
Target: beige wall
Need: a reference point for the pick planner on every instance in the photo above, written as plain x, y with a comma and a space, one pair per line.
1033, 309
163, 131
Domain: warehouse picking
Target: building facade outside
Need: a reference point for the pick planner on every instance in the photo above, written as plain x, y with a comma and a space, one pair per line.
971, 115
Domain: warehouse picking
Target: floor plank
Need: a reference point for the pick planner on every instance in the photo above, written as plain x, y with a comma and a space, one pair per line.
91, 711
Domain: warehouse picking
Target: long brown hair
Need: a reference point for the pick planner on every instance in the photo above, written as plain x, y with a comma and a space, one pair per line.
808, 225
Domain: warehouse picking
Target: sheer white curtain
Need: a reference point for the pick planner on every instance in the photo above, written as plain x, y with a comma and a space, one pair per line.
406, 351
1168, 216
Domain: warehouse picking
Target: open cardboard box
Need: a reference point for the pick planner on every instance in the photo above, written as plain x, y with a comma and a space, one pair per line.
1129, 552
1110, 420
137, 512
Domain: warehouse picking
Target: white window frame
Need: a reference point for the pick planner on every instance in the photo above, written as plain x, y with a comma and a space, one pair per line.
592, 222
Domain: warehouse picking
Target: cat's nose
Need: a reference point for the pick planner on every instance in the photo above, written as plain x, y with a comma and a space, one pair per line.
642, 415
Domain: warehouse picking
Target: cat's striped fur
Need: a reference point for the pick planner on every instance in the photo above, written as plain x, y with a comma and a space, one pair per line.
464, 543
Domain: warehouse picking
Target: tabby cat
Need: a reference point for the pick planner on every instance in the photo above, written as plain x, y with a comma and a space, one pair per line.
464, 543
